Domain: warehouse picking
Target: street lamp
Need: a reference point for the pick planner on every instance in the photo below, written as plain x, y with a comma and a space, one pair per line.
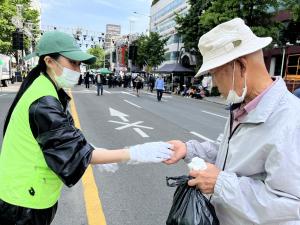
137, 13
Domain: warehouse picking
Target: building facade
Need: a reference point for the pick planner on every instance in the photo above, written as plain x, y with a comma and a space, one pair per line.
162, 21
112, 31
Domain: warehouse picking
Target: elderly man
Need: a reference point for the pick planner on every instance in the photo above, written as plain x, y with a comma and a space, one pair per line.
253, 175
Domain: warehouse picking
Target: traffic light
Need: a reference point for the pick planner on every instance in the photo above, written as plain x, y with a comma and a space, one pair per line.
18, 40
114, 56
15, 40
131, 51
21, 40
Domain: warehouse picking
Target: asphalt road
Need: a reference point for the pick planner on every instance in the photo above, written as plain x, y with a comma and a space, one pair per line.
135, 194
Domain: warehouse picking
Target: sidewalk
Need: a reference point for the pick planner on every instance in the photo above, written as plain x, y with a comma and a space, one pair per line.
11, 87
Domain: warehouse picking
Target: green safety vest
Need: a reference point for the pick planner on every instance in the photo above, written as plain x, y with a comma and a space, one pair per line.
25, 178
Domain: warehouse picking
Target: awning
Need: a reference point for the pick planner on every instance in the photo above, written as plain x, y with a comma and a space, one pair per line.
104, 71
173, 68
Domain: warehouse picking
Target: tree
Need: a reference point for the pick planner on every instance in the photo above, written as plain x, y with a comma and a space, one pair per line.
99, 53
8, 10
188, 25
258, 15
203, 15
151, 50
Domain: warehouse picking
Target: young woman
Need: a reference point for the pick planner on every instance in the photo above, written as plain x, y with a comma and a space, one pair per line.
42, 149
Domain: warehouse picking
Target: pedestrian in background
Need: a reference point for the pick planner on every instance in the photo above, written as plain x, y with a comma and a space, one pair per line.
160, 87
253, 175
138, 84
87, 80
99, 79
42, 149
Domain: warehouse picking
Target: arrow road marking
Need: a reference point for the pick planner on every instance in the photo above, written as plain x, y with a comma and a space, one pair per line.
126, 125
119, 114
140, 132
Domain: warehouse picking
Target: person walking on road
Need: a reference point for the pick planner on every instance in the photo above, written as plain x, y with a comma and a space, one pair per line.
160, 87
99, 82
87, 80
138, 84
253, 175
42, 149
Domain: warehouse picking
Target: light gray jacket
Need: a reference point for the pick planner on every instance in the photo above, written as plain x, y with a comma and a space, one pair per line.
261, 180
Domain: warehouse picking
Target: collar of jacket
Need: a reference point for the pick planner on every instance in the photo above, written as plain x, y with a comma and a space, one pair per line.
269, 102
64, 98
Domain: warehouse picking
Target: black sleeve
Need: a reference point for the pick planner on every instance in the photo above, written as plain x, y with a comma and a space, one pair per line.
65, 149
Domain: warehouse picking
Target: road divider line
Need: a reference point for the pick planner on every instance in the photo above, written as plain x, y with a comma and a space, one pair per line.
140, 132
124, 92
201, 136
214, 114
132, 104
93, 204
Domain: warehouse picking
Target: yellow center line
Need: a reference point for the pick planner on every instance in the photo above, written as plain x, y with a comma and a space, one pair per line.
93, 205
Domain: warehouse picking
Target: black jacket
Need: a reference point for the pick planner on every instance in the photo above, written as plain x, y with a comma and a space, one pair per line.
65, 149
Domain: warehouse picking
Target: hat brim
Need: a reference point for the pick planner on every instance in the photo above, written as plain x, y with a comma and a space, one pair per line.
79, 56
250, 47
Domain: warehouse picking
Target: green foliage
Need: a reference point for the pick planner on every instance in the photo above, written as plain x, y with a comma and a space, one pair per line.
99, 53
203, 15
257, 15
294, 7
151, 50
8, 10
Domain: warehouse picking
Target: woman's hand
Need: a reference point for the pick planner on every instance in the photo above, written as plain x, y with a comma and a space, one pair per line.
179, 149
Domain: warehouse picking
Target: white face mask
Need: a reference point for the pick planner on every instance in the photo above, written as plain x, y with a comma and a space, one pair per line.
68, 78
232, 97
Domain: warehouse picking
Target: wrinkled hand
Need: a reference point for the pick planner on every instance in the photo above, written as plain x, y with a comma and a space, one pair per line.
152, 152
205, 180
179, 149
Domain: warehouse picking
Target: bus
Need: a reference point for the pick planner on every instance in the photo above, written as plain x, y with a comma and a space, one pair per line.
5, 69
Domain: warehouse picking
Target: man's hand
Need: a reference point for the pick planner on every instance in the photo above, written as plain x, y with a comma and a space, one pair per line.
205, 180
179, 149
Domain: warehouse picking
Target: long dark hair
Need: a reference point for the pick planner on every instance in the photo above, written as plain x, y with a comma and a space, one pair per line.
32, 75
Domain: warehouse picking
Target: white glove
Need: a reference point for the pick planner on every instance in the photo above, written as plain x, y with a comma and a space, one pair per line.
152, 152
110, 167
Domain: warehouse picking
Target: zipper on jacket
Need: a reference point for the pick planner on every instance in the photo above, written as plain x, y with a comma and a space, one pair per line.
230, 136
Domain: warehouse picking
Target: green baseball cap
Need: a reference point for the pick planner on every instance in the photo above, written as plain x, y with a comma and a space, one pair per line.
62, 43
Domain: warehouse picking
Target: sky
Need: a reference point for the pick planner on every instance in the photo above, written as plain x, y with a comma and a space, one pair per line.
93, 15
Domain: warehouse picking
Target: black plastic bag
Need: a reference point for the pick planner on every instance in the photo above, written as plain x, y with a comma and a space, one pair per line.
190, 206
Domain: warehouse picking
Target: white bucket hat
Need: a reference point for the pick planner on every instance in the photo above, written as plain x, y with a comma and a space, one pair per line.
226, 42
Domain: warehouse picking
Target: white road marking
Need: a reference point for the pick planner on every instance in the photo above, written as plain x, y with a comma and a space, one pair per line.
215, 114
126, 125
132, 104
119, 114
140, 132
106, 91
201, 136
3, 95
164, 96
124, 92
